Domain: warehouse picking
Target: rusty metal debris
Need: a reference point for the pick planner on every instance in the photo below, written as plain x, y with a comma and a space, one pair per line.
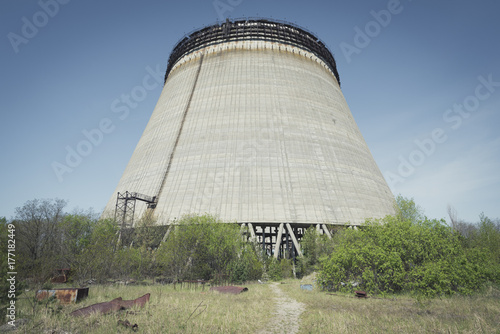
360, 294
61, 276
141, 301
111, 306
127, 324
103, 308
65, 295
229, 289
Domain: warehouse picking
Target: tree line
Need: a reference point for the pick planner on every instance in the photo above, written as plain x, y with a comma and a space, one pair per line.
406, 252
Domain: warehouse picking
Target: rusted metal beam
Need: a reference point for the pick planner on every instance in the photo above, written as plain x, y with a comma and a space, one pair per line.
229, 289
111, 306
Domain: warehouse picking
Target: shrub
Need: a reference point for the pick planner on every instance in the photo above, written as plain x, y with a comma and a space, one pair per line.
424, 257
314, 247
279, 269
199, 247
98, 260
246, 266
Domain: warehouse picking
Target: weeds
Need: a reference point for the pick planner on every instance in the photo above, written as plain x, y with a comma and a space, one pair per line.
327, 313
168, 311
188, 310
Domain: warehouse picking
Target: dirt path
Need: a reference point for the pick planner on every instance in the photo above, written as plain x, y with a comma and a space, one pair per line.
286, 315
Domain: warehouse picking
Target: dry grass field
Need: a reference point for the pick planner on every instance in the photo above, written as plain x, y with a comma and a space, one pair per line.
346, 314
259, 310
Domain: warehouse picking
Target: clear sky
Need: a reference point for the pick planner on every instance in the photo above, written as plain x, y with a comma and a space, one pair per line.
422, 79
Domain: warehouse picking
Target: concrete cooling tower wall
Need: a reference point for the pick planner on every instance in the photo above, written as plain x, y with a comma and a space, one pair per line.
252, 126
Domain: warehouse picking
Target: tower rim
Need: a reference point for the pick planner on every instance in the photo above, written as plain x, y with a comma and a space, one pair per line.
252, 29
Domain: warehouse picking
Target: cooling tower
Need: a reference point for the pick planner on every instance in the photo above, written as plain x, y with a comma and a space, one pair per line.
252, 126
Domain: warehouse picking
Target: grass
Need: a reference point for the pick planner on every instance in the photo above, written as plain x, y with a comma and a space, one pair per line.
342, 313
190, 310
168, 311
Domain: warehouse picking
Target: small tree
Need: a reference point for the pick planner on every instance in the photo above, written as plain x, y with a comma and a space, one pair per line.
39, 238
75, 233
246, 266
486, 240
98, 258
200, 247
314, 247
407, 210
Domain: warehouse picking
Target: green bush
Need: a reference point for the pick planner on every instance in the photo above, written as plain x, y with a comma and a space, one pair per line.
314, 247
425, 257
199, 247
274, 269
98, 258
278, 270
485, 243
246, 267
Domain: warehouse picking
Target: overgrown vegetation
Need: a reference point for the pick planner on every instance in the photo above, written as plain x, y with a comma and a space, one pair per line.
202, 247
193, 310
170, 310
341, 313
413, 254
405, 253
197, 247
315, 247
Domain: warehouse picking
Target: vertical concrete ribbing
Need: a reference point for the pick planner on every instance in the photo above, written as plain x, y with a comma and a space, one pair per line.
261, 133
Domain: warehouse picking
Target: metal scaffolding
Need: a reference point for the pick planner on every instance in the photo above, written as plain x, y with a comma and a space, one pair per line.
125, 207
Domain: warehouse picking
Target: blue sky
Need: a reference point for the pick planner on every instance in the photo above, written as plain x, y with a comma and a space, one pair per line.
422, 79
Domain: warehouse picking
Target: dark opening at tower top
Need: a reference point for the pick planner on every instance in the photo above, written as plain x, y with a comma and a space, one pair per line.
255, 29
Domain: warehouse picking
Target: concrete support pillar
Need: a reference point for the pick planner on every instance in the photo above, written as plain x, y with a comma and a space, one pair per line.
165, 237
326, 231
278, 241
294, 239
242, 231
252, 232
